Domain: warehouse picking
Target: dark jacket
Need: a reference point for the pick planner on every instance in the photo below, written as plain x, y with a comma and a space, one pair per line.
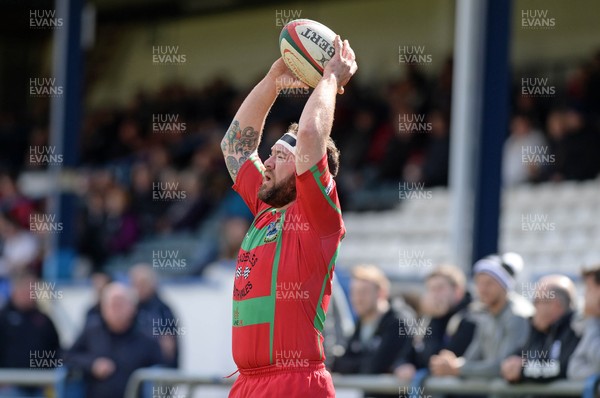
546, 354
453, 331
27, 336
154, 312
92, 316
129, 351
378, 353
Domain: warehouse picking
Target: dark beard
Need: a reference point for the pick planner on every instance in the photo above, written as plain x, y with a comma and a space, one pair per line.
280, 194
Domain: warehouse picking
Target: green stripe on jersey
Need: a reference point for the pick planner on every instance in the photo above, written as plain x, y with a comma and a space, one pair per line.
274, 286
257, 163
255, 237
319, 321
261, 309
254, 311
317, 176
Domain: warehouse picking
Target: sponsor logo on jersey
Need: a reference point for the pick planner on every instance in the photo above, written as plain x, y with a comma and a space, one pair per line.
329, 186
272, 231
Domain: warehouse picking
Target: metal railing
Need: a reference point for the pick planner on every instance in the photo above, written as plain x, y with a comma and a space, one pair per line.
28, 377
421, 385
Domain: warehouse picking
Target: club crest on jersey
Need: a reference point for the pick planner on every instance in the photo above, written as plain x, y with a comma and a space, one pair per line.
272, 231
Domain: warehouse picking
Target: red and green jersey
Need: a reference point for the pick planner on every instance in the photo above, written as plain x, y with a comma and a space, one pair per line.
284, 270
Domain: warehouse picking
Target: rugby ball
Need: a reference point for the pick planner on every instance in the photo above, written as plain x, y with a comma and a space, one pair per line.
306, 47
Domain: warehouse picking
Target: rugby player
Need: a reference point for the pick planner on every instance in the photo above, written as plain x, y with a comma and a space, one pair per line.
285, 264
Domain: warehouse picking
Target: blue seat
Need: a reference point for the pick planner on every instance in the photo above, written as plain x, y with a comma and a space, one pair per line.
591, 386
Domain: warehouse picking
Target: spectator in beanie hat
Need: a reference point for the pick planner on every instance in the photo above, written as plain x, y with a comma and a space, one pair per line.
501, 323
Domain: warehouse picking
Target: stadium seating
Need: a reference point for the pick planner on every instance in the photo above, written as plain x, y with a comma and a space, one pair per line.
564, 236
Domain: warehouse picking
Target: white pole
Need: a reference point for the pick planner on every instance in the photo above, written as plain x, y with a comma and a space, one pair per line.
465, 122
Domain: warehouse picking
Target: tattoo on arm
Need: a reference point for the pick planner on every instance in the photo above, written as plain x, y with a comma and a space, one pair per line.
233, 165
238, 145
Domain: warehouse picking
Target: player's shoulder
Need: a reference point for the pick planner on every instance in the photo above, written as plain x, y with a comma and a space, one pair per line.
252, 165
295, 213
316, 183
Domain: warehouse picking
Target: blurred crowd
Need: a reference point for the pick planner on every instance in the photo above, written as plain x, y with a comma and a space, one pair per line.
535, 333
553, 137
538, 331
153, 167
127, 328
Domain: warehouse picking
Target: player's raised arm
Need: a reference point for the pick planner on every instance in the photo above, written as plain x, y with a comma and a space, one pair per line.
243, 136
315, 123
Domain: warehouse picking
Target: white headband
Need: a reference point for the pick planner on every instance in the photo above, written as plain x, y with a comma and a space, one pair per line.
288, 140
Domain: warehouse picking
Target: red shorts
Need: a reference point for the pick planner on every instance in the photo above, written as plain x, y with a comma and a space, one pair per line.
313, 381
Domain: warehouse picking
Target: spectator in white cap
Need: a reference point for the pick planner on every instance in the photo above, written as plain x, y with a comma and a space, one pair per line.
501, 324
